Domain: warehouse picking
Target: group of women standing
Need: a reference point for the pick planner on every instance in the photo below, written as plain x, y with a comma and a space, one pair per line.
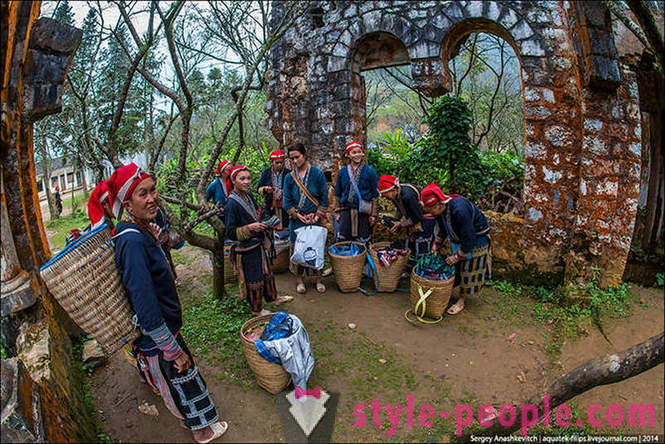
297, 197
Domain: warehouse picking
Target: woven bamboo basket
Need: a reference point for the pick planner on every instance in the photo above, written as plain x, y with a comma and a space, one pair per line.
388, 276
281, 262
84, 280
348, 269
269, 376
437, 301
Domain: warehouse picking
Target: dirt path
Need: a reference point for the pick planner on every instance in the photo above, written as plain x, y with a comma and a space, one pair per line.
464, 359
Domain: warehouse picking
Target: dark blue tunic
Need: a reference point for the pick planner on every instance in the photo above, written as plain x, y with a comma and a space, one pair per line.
464, 223
147, 278
215, 193
316, 185
368, 185
266, 181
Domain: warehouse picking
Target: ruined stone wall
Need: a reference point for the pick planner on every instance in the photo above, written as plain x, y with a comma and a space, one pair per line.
41, 401
582, 138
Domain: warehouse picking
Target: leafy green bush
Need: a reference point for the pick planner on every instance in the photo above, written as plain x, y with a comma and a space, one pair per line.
446, 156
660, 280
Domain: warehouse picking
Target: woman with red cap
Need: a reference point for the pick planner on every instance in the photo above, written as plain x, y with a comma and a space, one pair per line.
271, 185
465, 225
252, 241
162, 356
355, 196
409, 215
218, 191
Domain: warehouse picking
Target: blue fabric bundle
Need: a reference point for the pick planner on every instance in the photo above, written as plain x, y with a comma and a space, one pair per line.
280, 326
352, 249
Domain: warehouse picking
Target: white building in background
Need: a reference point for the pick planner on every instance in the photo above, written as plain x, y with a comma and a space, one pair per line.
64, 175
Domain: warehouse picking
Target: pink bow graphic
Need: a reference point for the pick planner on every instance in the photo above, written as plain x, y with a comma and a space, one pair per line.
315, 392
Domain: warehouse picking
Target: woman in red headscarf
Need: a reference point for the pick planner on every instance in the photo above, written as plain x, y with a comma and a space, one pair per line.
419, 227
356, 196
161, 353
466, 227
252, 242
99, 206
220, 188
271, 185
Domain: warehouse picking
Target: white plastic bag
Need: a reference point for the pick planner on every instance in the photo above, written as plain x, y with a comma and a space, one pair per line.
310, 246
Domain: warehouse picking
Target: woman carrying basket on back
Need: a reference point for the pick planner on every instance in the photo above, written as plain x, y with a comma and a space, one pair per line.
162, 356
465, 225
305, 201
251, 244
356, 193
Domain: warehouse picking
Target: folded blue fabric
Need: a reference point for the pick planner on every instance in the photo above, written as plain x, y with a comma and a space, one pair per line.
280, 326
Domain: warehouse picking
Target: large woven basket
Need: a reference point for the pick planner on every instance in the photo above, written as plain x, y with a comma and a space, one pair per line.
388, 276
271, 377
229, 274
84, 280
348, 269
437, 301
281, 262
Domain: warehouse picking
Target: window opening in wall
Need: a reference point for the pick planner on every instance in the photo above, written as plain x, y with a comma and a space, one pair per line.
486, 74
317, 17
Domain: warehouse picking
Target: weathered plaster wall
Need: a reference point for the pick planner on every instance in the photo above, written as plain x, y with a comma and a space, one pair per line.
582, 161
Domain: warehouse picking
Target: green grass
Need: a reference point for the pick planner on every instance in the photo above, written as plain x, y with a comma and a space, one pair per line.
212, 328
184, 256
569, 311
81, 374
63, 225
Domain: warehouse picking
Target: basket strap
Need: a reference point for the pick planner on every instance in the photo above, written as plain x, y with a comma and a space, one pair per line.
126, 230
372, 268
421, 301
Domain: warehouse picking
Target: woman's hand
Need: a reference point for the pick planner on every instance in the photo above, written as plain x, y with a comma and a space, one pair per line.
435, 248
156, 230
396, 226
372, 221
338, 216
455, 258
182, 362
304, 219
268, 190
257, 226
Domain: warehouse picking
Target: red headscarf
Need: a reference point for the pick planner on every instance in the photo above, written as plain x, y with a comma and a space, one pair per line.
122, 184
432, 194
277, 154
350, 146
95, 208
221, 166
387, 183
235, 170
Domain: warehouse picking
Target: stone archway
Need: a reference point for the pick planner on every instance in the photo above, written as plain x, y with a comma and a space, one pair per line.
371, 51
581, 113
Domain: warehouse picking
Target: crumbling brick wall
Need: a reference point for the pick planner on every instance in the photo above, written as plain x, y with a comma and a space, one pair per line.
582, 124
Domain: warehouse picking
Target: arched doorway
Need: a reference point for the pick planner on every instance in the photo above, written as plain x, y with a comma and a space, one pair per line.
486, 73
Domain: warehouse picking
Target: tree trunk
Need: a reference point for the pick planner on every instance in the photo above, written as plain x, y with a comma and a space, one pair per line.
605, 370
46, 172
655, 217
217, 257
73, 178
85, 185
